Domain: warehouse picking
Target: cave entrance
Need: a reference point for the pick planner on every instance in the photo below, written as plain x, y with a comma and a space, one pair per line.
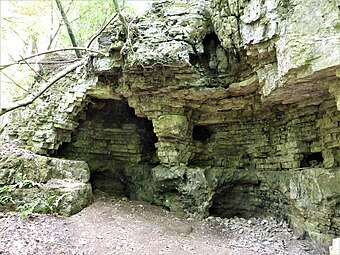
237, 199
111, 139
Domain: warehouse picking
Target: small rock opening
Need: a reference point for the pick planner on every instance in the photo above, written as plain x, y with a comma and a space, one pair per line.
206, 59
210, 58
312, 159
242, 199
112, 140
110, 182
201, 133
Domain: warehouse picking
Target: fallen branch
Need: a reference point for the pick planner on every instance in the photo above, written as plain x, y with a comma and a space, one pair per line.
55, 62
32, 97
20, 61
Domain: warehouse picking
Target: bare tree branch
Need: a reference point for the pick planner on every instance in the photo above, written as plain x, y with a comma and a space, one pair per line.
38, 74
126, 29
20, 61
24, 41
16, 84
47, 62
101, 30
54, 36
32, 97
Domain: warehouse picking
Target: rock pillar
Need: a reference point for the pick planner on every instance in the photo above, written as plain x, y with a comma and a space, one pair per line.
173, 139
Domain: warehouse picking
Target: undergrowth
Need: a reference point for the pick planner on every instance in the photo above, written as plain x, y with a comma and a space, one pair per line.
42, 203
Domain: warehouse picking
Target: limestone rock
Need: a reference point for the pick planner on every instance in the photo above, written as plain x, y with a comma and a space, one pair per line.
41, 169
35, 183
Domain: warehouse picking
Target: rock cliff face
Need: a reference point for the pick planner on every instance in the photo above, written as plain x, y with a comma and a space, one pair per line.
222, 107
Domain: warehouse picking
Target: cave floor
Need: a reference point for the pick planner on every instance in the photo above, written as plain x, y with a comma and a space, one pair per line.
119, 226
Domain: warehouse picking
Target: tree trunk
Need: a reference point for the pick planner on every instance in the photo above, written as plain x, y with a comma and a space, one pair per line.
68, 26
121, 17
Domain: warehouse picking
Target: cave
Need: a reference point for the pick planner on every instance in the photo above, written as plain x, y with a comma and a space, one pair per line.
112, 140
210, 43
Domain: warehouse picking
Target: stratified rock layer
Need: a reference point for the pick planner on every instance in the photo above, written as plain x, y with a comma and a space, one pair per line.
209, 107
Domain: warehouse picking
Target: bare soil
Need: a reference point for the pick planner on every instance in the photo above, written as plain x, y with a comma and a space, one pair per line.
119, 226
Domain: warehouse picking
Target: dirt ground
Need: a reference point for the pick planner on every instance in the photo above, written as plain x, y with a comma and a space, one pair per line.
119, 226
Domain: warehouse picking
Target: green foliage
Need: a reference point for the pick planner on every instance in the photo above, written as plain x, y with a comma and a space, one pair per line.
90, 17
31, 26
23, 22
5, 194
24, 182
7, 190
40, 203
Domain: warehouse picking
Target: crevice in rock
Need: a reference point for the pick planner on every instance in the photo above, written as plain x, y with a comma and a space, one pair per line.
209, 57
207, 62
201, 133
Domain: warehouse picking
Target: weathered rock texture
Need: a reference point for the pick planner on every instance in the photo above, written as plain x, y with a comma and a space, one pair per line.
223, 107
42, 184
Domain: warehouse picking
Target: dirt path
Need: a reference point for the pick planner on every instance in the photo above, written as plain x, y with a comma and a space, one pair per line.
119, 226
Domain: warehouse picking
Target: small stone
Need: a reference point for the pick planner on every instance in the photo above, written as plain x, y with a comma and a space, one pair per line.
264, 221
267, 242
256, 249
218, 219
305, 248
210, 218
82, 241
